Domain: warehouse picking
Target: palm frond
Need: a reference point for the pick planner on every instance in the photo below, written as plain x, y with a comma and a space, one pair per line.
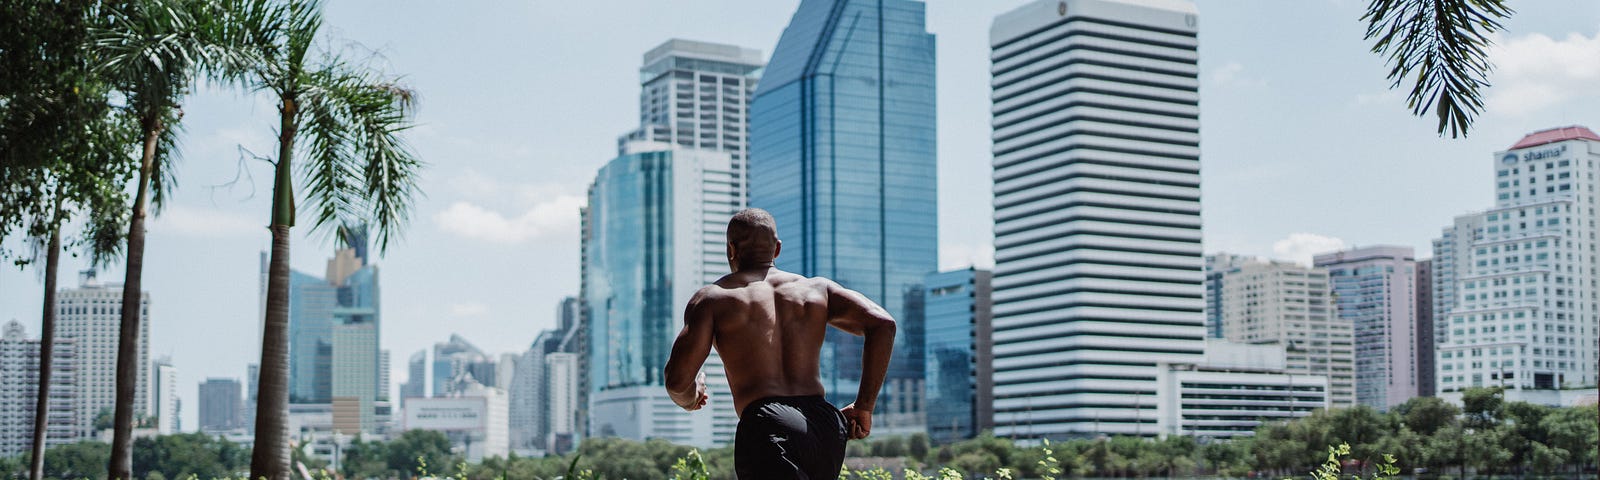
164, 179
1441, 46
359, 168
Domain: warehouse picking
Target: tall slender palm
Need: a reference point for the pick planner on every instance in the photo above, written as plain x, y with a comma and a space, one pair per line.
357, 168
79, 183
153, 53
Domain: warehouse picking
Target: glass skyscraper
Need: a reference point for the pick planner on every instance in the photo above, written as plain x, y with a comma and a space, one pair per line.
1374, 290
958, 373
842, 153
318, 307
653, 235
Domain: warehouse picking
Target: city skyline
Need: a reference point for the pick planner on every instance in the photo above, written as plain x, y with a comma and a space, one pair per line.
218, 230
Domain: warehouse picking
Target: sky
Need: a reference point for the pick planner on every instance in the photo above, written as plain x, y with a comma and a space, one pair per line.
1304, 149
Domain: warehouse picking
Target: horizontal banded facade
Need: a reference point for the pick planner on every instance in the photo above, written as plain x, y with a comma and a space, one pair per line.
1099, 269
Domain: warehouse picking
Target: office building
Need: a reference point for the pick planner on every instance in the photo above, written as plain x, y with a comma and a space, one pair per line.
561, 394
696, 95
383, 375
90, 317
533, 403
416, 384
458, 358
347, 293
355, 377
473, 417
1262, 302
1522, 276
311, 304
252, 380
1375, 291
653, 235
1098, 276
1235, 389
19, 392
219, 405
527, 405
164, 397
958, 371
1427, 383
843, 154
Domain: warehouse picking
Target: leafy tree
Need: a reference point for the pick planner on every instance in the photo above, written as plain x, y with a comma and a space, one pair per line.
431, 447
187, 455
1482, 406
1425, 415
1439, 46
364, 459
1575, 431
1524, 433
917, 446
1360, 426
1226, 458
84, 460
61, 151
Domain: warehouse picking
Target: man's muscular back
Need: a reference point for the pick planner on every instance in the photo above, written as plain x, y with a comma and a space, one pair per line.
769, 332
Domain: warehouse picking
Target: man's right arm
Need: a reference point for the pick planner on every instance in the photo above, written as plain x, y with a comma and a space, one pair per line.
853, 312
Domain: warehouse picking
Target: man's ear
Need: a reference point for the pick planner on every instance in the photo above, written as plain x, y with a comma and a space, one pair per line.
777, 249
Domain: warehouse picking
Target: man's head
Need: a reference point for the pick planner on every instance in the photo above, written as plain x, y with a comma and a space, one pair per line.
752, 239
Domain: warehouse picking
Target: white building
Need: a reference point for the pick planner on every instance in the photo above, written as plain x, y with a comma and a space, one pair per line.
1235, 389
561, 380
1290, 306
1375, 290
696, 95
19, 392
1098, 263
164, 396
1522, 276
90, 316
474, 417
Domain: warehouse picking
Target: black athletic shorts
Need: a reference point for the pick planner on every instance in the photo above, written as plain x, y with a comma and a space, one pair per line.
783, 438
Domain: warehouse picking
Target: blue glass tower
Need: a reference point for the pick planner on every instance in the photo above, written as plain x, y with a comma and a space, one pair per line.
629, 282
843, 155
653, 234
311, 304
950, 314
349, 295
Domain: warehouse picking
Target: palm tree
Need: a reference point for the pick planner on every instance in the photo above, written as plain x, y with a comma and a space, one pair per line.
358, 171
153, 53
82, 182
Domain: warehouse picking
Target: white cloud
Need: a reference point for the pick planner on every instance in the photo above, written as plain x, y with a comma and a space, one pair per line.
1233, 74
553, 215
1387, 98
205, 222
1300, 247
470, 309
960, 255
1535, 71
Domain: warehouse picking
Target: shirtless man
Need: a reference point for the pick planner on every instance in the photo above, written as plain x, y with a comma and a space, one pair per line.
768, 325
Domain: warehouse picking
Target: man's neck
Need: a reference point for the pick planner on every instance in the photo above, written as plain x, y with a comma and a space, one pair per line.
755, 269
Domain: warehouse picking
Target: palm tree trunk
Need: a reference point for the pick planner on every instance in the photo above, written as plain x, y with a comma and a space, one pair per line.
121, 465
269, 459
47, 346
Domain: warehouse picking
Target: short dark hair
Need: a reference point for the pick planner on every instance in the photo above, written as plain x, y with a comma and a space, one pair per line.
754, 236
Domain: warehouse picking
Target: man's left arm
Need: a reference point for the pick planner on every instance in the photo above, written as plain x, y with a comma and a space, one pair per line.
686, 384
